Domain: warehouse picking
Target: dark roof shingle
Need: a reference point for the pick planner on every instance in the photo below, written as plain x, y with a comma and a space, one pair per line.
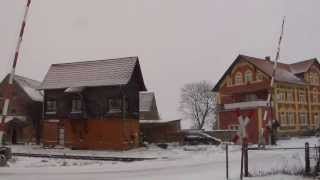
90, 73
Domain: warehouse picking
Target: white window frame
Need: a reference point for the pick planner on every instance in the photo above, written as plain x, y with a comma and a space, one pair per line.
52, 110
248, 76
283, 118
259, 76
290, 118
303, 118
290, 97
74, 106
238, 79
112, 109
302, 97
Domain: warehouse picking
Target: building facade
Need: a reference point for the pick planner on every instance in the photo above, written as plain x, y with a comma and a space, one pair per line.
245, 86
22, 125
93, 104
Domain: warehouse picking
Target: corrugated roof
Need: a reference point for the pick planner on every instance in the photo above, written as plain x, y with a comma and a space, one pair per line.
30, 87
146, 101
90, 73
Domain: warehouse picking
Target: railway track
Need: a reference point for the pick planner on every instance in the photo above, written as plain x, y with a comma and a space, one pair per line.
80, 157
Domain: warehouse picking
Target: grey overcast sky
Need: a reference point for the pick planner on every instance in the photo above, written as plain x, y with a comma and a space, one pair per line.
177, 41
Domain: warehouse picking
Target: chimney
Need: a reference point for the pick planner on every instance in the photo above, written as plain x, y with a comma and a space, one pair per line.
267, 58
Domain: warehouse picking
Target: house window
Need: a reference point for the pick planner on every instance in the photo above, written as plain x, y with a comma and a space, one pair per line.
302, 97
290, 118
283, 119
315, 98
51, 107
248, 76
281, 96
76, 106
289, 96
238, 78
303, 118
234, 127
114, 105
259, 76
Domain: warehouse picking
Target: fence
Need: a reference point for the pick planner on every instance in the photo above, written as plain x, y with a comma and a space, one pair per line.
311, 157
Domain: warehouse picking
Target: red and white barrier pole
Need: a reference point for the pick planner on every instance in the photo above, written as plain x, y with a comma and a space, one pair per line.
8, 89
269, 99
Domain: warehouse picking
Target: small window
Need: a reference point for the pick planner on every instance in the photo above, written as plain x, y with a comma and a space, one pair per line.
290, 118
283, 119
114, 105
238, 78
290, 97
281, 96
302, 97
259, 76
248, 76
51, 107
303, 118
76, 106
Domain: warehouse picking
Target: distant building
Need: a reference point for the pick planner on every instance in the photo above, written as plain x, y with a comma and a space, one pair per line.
148, 106
93, 104
295, 104
22, 125
153, 128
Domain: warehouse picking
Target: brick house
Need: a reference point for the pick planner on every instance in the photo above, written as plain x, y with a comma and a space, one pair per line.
295, 103
22, 125
93, 104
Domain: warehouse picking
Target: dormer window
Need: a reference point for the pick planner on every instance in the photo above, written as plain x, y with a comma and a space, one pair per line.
76, 106
248, 76
238, 78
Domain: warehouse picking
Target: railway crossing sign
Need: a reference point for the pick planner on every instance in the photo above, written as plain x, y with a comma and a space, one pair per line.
243, 122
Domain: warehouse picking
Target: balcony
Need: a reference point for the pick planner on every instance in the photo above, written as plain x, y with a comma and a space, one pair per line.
247, 104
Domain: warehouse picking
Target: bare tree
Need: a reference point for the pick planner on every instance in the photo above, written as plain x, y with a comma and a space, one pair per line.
198, 103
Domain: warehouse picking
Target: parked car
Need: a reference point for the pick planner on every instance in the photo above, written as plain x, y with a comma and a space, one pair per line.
199, 138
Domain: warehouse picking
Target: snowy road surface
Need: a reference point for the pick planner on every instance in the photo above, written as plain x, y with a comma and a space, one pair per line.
203, 162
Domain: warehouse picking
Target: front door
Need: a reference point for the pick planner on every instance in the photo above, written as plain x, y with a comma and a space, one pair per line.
61, 136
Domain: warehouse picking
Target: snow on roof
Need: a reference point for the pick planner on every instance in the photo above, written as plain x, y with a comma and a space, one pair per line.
157, 121
146, 101
10, 118
90, 73
30, 87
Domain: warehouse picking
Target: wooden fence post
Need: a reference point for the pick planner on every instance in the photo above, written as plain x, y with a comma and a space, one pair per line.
227, 162
246, 161
307, 157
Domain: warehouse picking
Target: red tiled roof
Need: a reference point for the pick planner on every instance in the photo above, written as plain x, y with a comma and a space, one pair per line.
284, 72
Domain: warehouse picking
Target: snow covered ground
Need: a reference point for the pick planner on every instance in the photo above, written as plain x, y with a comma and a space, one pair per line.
176, 162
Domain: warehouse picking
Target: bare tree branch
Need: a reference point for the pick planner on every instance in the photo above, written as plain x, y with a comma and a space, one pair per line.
198, 103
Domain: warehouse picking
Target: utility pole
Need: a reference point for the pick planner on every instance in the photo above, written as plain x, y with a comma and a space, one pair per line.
272, 121
9, 86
